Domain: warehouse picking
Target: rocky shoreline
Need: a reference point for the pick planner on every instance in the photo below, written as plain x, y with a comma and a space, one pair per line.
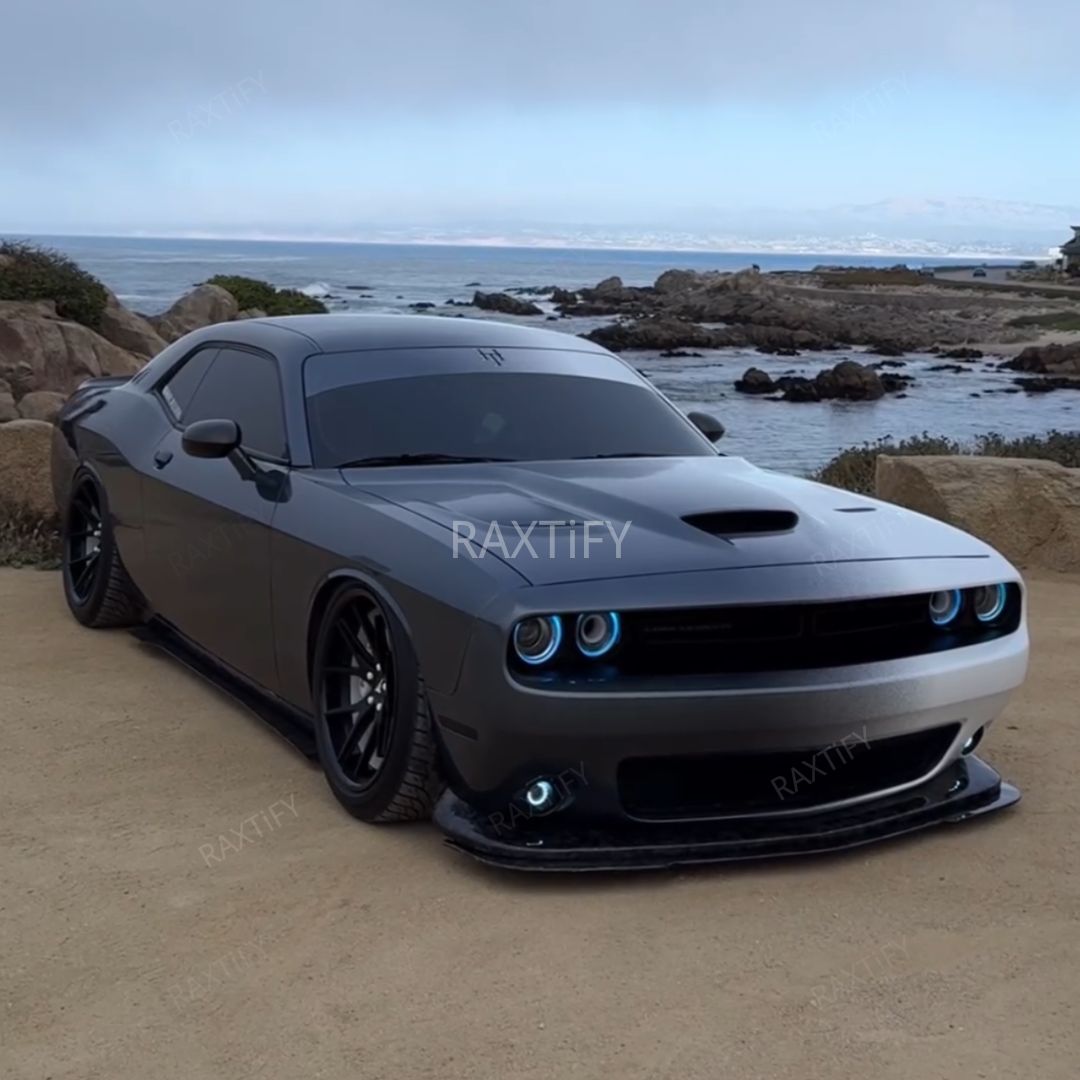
886, 314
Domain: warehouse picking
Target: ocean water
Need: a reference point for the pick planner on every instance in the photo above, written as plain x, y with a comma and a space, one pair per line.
149, 274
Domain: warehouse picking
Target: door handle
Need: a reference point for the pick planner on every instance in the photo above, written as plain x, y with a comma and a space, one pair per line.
162, 458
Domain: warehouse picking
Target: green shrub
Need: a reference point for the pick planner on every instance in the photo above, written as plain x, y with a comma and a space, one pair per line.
30, 272
853, 469
252, 293
1054, 320
858, 278
27, 539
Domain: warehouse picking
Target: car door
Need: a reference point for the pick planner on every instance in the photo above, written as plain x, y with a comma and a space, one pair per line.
207, 520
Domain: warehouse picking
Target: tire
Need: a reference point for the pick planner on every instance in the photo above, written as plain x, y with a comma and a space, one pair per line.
373, 724
97, 588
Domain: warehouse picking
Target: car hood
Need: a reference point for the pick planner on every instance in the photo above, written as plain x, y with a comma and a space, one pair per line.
537, 516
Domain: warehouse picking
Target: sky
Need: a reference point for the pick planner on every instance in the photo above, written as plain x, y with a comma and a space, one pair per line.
344, 118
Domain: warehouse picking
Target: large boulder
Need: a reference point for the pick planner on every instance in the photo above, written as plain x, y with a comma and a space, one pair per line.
671, 282
1047, 360
41, 351
1026, 508
755, 381
41, 405
7, 403
25, 479
851, 381
504, 303
610, 288
662, 333
203, 306
129, 331
798, 388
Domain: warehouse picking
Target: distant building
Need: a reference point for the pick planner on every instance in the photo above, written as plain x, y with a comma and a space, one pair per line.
1070, 252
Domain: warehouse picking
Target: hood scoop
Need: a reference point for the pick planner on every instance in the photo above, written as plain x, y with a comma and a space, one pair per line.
732, 523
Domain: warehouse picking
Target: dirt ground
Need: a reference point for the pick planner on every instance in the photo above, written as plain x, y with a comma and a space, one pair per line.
180, 897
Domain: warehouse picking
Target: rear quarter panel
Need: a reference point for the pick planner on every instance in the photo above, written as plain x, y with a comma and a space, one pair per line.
111, 431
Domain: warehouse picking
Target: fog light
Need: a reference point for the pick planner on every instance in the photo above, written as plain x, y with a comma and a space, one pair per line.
597, 633
988, 602
972, 742
537, 639
541, 795
944, 607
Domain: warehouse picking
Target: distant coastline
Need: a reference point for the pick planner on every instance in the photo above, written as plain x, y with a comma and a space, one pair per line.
885, 251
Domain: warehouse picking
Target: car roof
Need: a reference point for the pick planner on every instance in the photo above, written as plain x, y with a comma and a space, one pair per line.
342, 333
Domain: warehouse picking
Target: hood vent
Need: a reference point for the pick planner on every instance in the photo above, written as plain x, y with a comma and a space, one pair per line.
729, 523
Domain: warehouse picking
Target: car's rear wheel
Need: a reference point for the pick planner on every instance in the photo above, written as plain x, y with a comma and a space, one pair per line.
96, 586
372, 722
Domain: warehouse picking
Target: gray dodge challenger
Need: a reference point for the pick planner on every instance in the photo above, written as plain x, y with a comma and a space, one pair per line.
489, 574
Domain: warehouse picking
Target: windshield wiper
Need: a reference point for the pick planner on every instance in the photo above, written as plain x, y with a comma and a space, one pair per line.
417, 459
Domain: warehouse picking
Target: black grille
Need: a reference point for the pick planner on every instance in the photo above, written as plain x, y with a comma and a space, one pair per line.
717, 784
786, 637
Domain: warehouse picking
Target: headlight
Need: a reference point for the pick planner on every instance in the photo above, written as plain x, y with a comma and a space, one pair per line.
945, 606
537, 639
597, 633
988, 602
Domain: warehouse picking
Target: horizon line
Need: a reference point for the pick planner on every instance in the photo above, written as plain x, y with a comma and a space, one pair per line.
500, 243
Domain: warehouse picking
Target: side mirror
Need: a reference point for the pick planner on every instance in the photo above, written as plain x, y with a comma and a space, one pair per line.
707, 424
211, 438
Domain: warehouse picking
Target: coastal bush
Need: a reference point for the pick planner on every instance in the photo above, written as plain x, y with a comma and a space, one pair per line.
26, 539
853, 469
1053, 320
30, 272
849, 279
252, 293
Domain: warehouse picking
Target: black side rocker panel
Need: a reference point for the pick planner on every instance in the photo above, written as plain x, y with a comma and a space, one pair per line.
966, 789
289, 724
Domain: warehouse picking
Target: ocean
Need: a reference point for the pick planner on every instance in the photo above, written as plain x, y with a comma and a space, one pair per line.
149, 274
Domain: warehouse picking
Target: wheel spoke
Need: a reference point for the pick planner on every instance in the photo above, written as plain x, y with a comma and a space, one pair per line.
358, 690
346, 710
385, 730
86, 574
367, 750
355, 648
352, 738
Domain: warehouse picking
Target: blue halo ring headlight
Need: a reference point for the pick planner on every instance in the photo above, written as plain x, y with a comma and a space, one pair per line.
597, 633
537, 638
945, 606
988, 602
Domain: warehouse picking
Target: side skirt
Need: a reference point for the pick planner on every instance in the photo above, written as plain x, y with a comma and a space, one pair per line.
291, 724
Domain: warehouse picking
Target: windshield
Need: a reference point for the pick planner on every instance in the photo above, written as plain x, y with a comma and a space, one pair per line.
502, 415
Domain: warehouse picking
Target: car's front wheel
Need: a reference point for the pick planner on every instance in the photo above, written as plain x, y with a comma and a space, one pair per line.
96, 586
372, 722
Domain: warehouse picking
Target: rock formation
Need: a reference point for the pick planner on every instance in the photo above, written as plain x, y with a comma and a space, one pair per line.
1027, 509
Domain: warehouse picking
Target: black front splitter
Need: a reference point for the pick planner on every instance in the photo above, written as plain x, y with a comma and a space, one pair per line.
966, 789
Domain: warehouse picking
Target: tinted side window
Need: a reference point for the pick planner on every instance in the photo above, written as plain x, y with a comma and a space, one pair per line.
244, 387
179, 390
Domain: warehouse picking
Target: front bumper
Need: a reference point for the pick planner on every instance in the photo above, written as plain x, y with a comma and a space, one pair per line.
967, 788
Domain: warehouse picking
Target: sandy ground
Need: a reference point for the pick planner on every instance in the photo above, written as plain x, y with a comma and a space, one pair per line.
180, 897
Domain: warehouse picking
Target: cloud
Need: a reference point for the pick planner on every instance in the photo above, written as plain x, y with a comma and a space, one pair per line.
87, 67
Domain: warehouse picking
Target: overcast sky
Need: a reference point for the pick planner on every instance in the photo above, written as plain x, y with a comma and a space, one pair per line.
331, 116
